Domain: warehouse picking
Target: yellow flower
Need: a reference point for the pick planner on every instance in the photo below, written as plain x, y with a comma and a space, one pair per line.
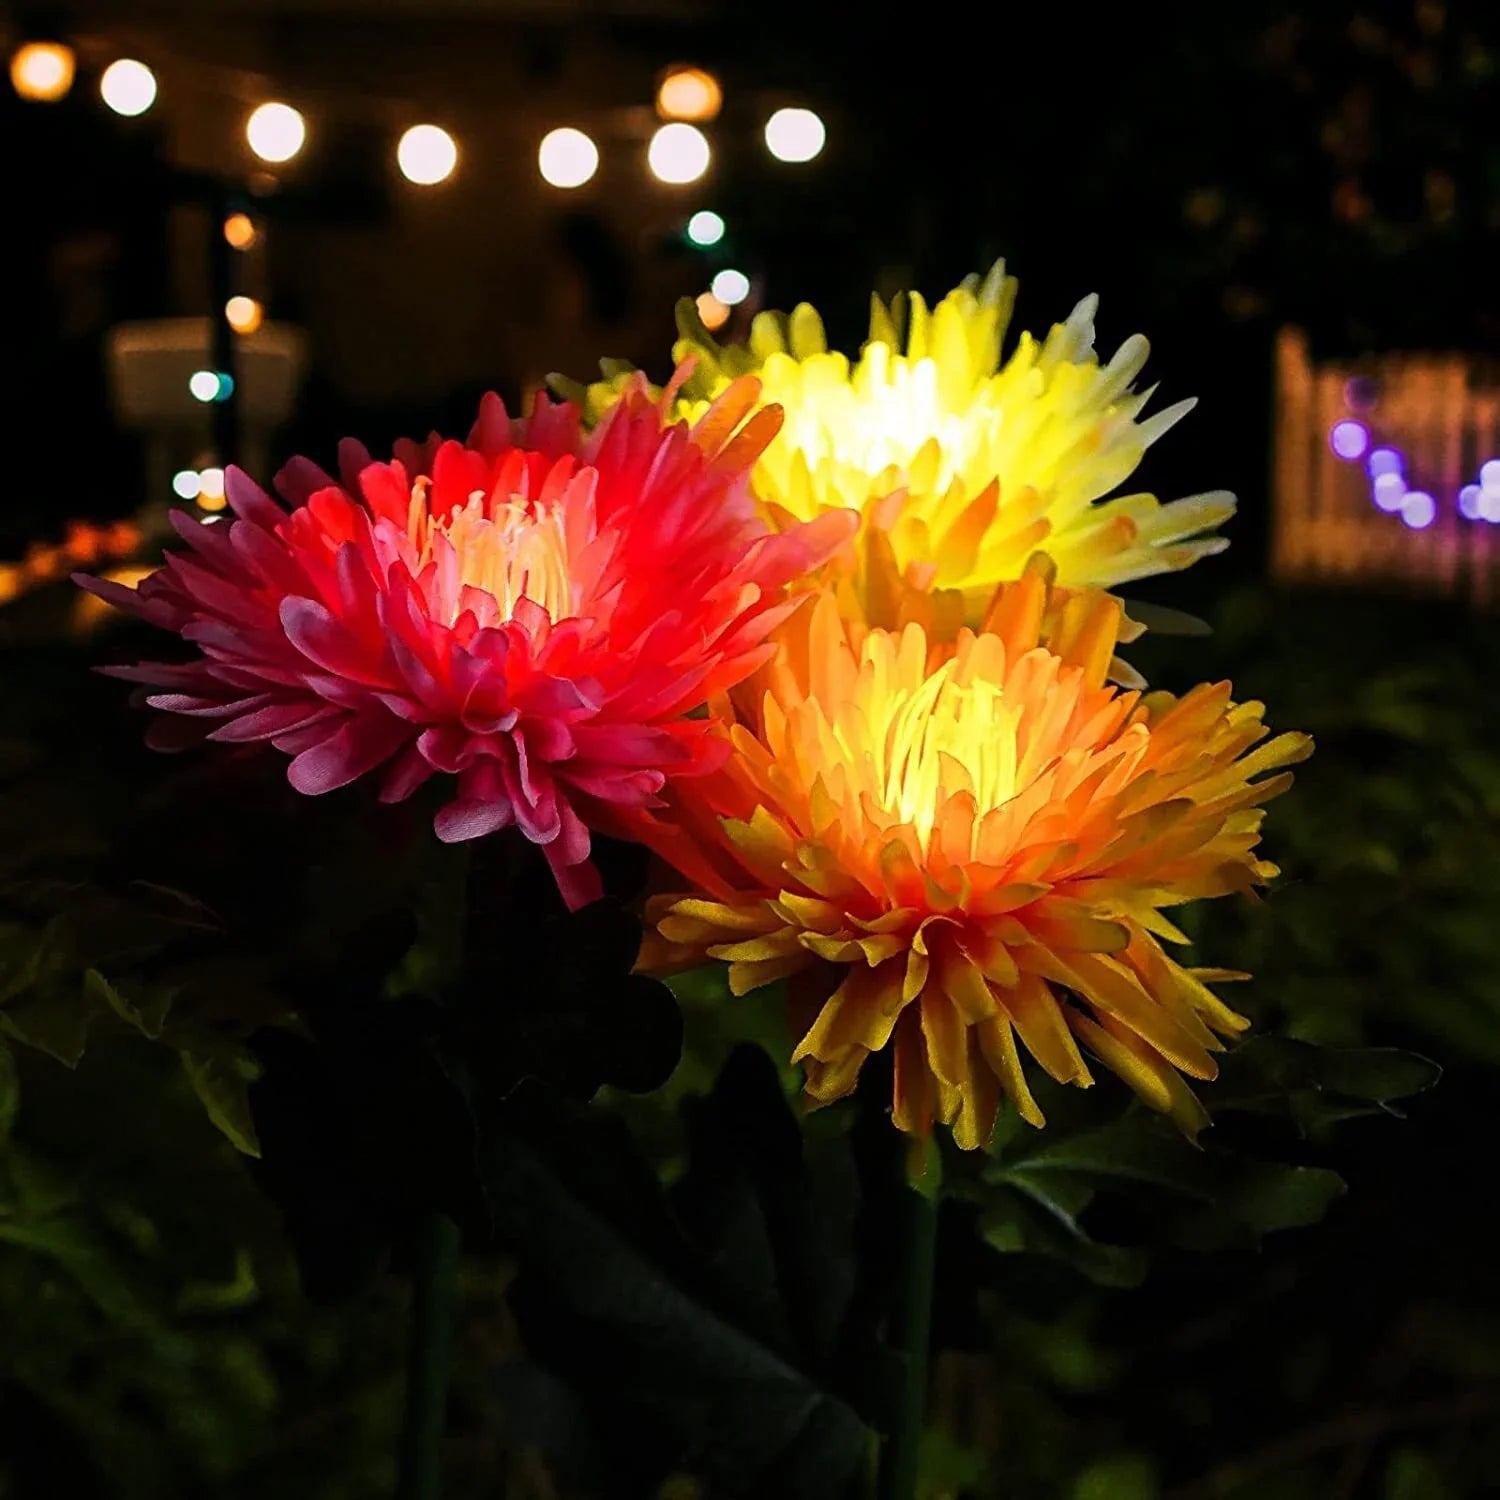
966, 853
962, 464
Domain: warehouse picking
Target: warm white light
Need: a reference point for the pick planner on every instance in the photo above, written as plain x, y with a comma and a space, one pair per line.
204, 385
276, 132
42, 71
426, 154
689, 94
211, 489
567, 158
244, 314
705, 228
713, 312
731, 287
128, 87
795, 135
239, 231
186, 484
678, 153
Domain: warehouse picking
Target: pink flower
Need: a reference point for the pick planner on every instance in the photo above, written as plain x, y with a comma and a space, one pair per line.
534, 613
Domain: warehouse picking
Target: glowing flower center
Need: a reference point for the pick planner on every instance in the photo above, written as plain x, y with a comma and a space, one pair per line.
944, 738
512, 549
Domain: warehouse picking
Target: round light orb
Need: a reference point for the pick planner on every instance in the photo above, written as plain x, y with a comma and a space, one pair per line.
1489, 474
211, 489
239, 231
42, 71
714, 313
678, 153
1469, 501
705, 228
1489, 505
1384, 461
1349, 440
731, 287
426, 154
795, 135
276, 132
1389, 491
203, 385
567, 158
244, 314
128, 87
186, 484
688, 94
1418, 509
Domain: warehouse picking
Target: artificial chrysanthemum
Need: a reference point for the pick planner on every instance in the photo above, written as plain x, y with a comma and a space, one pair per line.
967, 854
534, 613
963, 466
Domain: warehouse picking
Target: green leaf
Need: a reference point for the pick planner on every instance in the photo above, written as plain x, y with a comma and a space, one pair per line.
221, 1078
1268, 1196
148, 1016
53, 1018
1124, 1476
10, 1093
1037, 1214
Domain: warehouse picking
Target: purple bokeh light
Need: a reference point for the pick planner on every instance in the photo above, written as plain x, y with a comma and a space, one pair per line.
1469, 503
1389, 491
1349, 439
1384, 461
1418, 509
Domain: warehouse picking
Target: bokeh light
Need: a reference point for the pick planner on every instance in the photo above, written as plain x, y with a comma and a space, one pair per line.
211, 489
731, 287
244, 314
1389, 491
186, 484
567, 158
1384, 461
1418, 509
128, 87
795, 135
705, 228
1349, 439
715, 314
239, 231
689, 94
1489, 474
426, 154
678, 153
203, 385
276, 132
1468, 502
42, 71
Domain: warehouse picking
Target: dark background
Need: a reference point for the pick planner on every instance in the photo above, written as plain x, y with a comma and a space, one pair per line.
1215, 172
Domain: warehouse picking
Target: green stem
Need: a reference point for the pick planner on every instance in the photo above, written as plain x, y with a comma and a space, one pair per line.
911, 1329
429, 1357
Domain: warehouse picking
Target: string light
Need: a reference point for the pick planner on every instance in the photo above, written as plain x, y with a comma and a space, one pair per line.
678, 153
714, 313
705, 228
244, 314
42, 71
128, 87
688, 94
731, 287
239, 231
567, 158
276, 132
795, 135
426, 155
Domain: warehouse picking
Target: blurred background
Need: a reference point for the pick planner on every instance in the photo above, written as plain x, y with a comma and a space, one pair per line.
241, 230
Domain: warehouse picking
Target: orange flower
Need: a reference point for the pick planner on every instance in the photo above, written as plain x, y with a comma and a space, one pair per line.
967, 853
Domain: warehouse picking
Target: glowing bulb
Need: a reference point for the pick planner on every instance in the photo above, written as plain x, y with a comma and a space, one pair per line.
128, 87
1469, 502
714, 313
1349, 439
731, 287
244, 314
239, 231
1384, 461
1418, 510
567, 158
204, 385
426, 155
186, 484
705, 228
689, 94
795, 135
1390, 491
678, 153
42, 71
276, 132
